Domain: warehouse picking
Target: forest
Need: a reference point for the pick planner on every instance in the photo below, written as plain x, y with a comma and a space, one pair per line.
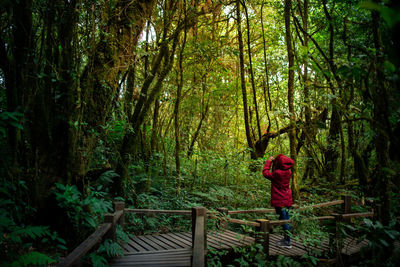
169, 105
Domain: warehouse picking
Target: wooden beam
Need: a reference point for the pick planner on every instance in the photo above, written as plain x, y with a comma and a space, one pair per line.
251, 211
263, 236
110, 218
358, 215
149, 211
322, 205
120, 206
249, 223
199, 236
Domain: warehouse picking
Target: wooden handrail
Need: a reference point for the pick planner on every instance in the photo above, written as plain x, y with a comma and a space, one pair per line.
251, 211
150, 211
105, 230
85, 246
320, 218
117, 215
320, 205
230, 212
249, 223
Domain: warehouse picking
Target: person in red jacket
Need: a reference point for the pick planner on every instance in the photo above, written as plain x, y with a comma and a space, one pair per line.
281, 194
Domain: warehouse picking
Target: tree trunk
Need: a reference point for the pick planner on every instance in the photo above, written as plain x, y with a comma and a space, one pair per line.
243, 83
176, 113
292, 131
268, 106
381, 125
253, 85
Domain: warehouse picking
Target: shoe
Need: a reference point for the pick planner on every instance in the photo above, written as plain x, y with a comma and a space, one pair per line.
284, 244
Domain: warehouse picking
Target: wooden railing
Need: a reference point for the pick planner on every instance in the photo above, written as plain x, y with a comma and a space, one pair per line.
264, 226
199, 231
105, 230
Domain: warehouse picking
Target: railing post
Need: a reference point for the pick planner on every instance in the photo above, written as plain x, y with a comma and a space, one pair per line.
199, 236
222, 222
337, 238
111, 234
263, 236
346, 206
377, 211
120, 205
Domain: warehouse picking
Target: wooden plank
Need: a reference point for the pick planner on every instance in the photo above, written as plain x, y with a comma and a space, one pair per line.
182, 263
229, 241
155, 256
176, 240
211, 242
161, 258
186, 236
128, 247
160, 243
142, 243
150, 242
185, 241
296, 250
136, 246
85, 246
161, 252
166, 241
246, 238
323, 246
234, 237
352, 246
217, 243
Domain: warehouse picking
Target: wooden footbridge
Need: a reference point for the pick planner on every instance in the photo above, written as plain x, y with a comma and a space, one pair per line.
190, 248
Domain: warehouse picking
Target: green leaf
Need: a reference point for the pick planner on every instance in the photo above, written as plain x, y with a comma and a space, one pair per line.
386, 244
389, 66
35, 258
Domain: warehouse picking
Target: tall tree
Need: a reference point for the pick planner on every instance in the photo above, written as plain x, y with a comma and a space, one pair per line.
381, 124
292, 130
177, 102
243, 82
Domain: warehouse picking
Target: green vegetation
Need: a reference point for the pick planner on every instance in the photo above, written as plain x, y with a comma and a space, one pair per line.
174, 104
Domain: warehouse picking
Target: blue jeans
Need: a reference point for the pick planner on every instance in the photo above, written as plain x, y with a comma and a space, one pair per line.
283, 213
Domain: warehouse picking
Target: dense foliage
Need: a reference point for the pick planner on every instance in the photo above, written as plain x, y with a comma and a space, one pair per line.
175, 104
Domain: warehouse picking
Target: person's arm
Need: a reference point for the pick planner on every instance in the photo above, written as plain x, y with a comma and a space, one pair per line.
267, 174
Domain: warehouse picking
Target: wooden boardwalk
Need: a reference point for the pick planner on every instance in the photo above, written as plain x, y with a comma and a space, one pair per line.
190, 249
174, 249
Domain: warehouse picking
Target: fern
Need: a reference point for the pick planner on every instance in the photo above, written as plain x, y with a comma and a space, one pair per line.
98, 261
32, 231
33, 258
107, 177
111, 249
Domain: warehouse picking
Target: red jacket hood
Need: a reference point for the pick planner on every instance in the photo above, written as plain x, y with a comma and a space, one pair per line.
282, 162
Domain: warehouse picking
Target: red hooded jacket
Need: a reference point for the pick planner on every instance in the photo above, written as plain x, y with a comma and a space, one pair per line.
281, 194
